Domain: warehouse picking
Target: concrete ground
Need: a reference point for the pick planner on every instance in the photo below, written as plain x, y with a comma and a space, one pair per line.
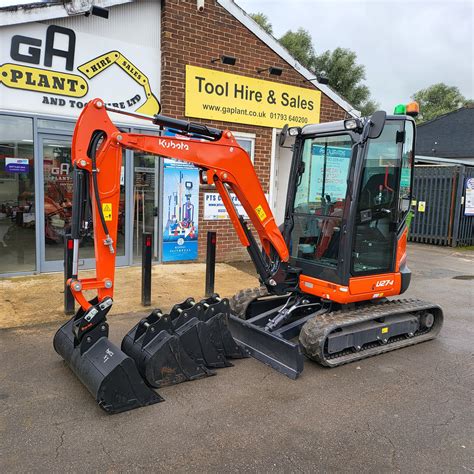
171, 284
405, 411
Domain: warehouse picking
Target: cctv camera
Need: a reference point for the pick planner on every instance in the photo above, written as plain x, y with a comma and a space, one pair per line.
200, 5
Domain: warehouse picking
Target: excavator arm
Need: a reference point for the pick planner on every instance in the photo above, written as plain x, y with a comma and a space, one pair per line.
97, 159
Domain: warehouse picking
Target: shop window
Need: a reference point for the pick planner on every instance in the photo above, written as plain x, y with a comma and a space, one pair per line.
145, 200
247, 142
17, 195
56, 125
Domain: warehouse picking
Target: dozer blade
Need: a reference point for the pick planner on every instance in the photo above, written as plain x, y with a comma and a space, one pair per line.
159, 353
110, 375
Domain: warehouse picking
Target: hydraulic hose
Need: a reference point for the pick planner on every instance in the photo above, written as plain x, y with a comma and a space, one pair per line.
92, 152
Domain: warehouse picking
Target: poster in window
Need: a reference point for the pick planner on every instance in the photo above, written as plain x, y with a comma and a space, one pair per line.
469, 206
180, 211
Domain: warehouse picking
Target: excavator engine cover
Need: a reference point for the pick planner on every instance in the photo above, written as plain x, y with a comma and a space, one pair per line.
109, 374
185, 344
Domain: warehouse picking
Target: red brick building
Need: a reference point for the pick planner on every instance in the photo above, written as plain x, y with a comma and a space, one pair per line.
176, 48
192, 37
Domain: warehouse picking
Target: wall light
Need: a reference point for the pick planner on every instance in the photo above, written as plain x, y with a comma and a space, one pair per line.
230, 60
320, 78
98, 11
274, 71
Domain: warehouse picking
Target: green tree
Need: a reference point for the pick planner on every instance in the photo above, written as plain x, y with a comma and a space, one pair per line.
300, 44
438, 99
346, 77
340, 66
263, 21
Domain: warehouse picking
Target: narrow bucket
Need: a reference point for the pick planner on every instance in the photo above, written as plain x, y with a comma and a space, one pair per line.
108, 373
216, 315
159, 353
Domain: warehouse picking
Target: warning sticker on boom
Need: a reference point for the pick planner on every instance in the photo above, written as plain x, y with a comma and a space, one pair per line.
260, 213
107, 211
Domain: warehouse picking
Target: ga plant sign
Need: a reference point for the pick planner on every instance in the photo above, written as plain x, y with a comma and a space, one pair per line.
233, 98
53, 69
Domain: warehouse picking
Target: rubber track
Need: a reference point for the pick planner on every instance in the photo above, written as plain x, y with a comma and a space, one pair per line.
314, 333
241, 300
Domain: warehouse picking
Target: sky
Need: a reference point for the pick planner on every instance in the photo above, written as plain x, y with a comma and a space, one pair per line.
405, 45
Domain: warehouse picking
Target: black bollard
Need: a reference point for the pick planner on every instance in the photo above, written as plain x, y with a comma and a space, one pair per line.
210, 262
68, 254
147, 251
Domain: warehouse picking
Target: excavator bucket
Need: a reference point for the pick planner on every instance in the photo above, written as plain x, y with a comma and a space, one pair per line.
216, 314
159, 353
108, 373
211, 315
183, 345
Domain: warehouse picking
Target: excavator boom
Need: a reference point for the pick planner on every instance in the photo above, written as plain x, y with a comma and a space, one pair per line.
193, 339
222, 161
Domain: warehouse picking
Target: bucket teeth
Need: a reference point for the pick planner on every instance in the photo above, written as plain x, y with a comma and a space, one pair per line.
184, 344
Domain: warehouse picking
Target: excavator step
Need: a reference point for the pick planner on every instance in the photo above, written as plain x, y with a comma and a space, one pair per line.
185, 344
344, 336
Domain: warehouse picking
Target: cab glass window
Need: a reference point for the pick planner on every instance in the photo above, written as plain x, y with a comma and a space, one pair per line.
320, 198
378, 202
406, 168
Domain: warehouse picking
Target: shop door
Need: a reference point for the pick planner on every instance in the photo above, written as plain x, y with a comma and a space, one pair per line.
55, 201
146, 207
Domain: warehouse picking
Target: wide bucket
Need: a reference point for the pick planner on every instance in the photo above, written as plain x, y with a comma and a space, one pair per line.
108, 373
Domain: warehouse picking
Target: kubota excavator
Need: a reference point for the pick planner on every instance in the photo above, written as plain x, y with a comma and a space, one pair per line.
325, 274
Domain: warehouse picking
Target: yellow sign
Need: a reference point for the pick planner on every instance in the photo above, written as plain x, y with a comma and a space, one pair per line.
99, 64
107, 211
232, 98
42, 80
384, 330
421, 206
260, 213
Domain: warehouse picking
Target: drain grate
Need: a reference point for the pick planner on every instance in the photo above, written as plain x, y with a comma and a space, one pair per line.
464, 277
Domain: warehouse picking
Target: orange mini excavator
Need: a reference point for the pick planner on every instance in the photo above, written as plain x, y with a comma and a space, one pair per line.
325, 274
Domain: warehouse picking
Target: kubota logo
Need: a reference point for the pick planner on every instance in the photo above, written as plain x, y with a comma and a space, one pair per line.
383, 283
173, 145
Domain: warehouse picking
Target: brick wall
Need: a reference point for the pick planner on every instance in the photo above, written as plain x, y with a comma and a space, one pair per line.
190, 37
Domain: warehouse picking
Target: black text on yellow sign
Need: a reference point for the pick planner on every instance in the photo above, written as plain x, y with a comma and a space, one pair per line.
42, 80
107, 211
233, 98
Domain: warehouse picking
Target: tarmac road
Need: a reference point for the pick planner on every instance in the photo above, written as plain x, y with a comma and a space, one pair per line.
409, 410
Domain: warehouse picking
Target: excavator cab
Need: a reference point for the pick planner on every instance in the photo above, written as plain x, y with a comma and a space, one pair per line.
348, 201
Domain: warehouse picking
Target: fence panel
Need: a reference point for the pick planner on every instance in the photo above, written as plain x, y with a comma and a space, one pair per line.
439, 217
433, 189
465, 235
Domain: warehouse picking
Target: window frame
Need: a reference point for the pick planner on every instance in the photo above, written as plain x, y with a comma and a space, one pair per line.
251, 137
395, 206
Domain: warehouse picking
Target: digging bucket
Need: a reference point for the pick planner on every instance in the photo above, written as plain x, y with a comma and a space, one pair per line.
159, 353
108, 373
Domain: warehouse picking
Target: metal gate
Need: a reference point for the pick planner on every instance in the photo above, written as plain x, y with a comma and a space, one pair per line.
439, 204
